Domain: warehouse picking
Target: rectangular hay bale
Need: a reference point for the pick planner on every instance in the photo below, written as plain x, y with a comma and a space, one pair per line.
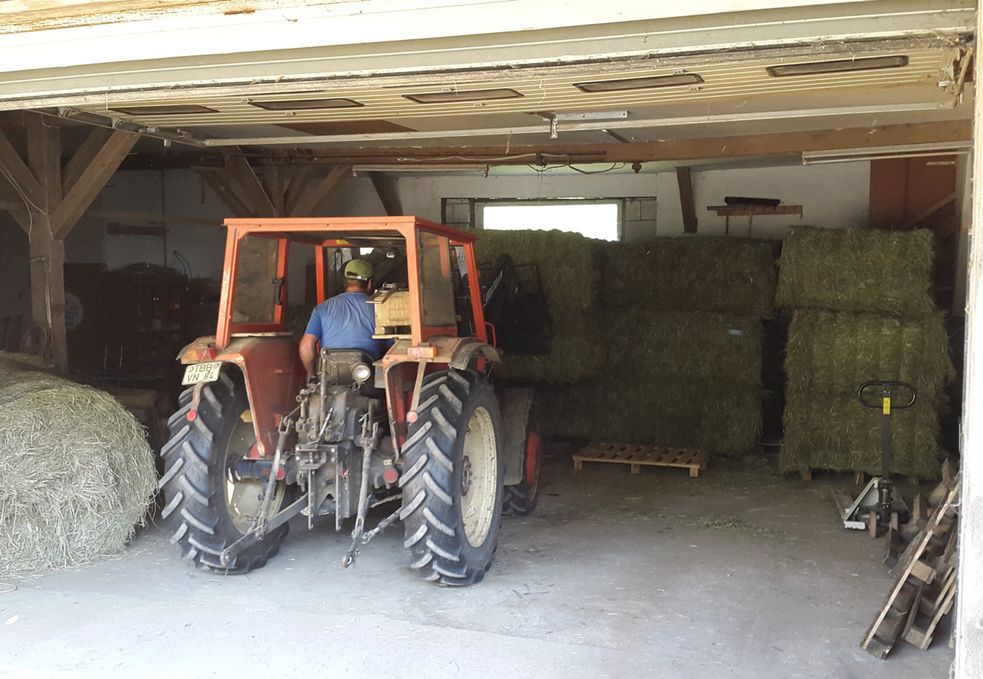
691, 273
835, 352
824, 431
886, 272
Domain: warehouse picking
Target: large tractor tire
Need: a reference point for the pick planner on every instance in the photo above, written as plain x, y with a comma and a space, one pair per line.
520, 499
206, 505
452, 479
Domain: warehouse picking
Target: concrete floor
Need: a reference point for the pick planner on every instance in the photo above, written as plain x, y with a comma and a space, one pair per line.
736, 574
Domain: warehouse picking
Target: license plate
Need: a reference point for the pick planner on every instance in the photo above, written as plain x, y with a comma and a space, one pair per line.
201, 372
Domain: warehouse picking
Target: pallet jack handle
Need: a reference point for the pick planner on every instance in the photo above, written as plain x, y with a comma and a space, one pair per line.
891, 396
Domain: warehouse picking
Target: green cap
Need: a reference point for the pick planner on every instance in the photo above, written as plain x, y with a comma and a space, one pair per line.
358, 269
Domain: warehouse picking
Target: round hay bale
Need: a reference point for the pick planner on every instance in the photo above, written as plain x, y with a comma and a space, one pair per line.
77, 473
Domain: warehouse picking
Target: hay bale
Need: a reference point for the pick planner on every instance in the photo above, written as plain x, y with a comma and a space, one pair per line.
568, 265
568, 268
668, 410
689, 345
723, 275
77, 472
825, 431
887, 272
835, 352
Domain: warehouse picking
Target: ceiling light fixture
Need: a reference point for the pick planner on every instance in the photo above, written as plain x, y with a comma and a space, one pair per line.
838, 66
927, 150
305, 104
462, 96
625, 84
164, 110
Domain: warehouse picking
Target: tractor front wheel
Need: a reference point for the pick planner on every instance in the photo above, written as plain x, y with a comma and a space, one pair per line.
207, 505
452, 479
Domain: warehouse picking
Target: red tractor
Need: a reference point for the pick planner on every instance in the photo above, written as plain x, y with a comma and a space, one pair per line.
255, 443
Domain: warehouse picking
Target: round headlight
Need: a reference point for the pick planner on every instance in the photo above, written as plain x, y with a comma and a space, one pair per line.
361, 373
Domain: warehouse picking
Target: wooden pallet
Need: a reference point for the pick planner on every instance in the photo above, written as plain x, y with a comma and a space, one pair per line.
638, 455
924, 589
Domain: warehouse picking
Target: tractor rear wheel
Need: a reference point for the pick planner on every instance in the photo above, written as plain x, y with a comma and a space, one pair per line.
521, 498
452, 479
207, 505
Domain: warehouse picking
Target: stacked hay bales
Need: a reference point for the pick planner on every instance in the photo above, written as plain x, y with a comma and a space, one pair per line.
568, 266
78, 474
861, 311
681, 321
657, 341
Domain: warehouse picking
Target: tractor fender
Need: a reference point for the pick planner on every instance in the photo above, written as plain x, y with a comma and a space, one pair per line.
516, 406
465, 354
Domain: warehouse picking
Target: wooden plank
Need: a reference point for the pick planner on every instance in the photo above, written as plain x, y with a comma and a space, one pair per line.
686, 203
637, 456
752, 210
317, 192
904, 582
91, 182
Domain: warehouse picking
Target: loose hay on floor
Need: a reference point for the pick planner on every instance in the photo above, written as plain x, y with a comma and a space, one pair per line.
77, 473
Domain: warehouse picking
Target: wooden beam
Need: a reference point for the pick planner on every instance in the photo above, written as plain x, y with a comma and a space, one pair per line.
756, 145
47, 249
298, 182
13, 204
17, 171
317, 192
242, 173
84, 156
385, 188
91, 182
218, 181
273, 183
686, 199
44, 159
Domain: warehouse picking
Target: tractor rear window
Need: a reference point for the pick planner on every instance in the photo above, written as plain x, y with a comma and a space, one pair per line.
255, 285
436, 284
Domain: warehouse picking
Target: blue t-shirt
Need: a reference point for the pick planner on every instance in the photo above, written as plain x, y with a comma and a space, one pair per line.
346, 321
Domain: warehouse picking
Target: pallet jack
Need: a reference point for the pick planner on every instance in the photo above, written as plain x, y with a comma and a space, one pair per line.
877, 506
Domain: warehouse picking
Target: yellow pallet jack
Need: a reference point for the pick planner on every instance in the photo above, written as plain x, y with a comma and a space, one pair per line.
877, 506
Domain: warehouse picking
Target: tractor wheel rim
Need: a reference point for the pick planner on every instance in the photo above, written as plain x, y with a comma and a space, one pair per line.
244, 497
479, 477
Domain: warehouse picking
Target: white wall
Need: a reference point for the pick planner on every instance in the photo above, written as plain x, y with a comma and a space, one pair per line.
832, 196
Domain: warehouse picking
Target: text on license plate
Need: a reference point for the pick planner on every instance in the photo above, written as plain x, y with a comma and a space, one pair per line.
201, 372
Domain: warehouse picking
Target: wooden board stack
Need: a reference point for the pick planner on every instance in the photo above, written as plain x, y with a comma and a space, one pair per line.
925, 588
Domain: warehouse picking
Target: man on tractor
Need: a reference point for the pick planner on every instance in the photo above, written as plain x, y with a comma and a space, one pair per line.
345, 321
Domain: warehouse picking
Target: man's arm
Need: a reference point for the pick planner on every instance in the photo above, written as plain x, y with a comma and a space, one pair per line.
308, 350
308, 343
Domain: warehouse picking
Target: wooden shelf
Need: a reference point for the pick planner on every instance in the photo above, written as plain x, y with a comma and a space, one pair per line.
751, 210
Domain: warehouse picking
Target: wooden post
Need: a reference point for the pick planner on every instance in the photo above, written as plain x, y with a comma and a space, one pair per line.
55, 201
686, 199
969, 610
